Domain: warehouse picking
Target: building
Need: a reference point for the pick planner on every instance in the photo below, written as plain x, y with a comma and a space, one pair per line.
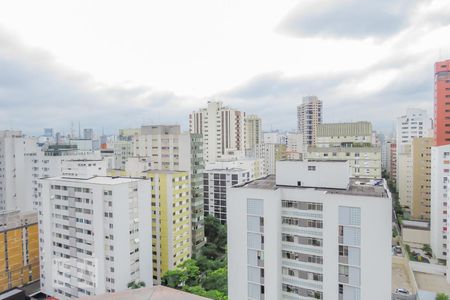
148, 293
19, 249
222, 127
122, 151
295, 146
405, 176
273, 153
216, 184
255, 166
82, 144
166, 148
88, 134
348, 141
442, 103
171, 220
15, 149
275, 137
392, 159
311, 232
440, 166
421, 179
309, 115
357, 134
253, 136
95, 235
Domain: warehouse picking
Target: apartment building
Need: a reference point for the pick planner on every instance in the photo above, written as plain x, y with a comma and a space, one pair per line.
255, 166
348, 141
310, 232
273, 153
165, 147
171, 220
275, 137
420, 207
309, 115
392, 159
122, 151
222, 127
295, 147
19, 249
216, 184
440, 165
254, 136
95, 235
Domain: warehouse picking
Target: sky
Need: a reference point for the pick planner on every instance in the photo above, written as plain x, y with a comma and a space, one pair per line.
117, 64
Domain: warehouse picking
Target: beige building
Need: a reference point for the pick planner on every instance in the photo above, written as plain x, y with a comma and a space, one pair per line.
222, 127
421, 170
348, 141
344, 134
254, 136
364, 162
309, 115
404, 176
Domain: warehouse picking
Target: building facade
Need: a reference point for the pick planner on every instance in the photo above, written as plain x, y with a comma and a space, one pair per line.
216, 184
171, 220
222, 127
253, 136
95, 235
442, 103
421, 179
19, 249
309, 115
311, 233
273, 153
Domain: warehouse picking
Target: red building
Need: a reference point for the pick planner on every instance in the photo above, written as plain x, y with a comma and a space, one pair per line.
442, 103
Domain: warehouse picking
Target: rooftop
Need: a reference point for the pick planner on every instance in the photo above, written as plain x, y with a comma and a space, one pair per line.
149, 293
357, 186
163, 171
96, 180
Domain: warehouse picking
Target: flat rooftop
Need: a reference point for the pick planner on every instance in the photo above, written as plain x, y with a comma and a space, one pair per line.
432, 282
95, 180
163, 171
357, 186
148, 293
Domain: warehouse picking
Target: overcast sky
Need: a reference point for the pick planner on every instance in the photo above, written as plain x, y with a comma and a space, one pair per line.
116, 64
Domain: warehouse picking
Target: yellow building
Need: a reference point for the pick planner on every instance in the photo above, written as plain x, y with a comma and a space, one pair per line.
421, 178
19, 249
171, 219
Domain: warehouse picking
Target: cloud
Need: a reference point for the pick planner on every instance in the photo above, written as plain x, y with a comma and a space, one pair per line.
36, 92
275, 96
348, 18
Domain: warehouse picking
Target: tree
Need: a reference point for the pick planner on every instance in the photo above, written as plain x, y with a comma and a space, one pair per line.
215, 232
186, 274
427, 249
216, 280
136, 285
442, 296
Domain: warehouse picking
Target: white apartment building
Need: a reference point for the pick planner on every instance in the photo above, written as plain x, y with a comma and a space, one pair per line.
309, 115
95, 235
215, 186
295, 145
122, 151
348, 141
273, 153
311, 232
255, 166
405, 175
440, 203
254, 136
222, 127
275, 137
15, 177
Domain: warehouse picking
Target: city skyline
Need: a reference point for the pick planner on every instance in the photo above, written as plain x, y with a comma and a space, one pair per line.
123, 80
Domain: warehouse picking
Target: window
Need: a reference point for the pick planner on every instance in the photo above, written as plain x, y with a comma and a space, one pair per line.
311, 168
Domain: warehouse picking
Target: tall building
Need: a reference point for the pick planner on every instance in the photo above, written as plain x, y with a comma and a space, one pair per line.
253, 136
273, 153
421, 179
348, 141
311, 232
295, 147
19, 249
442, 103
222, 127
88, 134
216, 184
171, 220
15, 177
440, 166
122, 151
166, 148
95, 235
415, 123
309, 115
255, 166
391, 150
